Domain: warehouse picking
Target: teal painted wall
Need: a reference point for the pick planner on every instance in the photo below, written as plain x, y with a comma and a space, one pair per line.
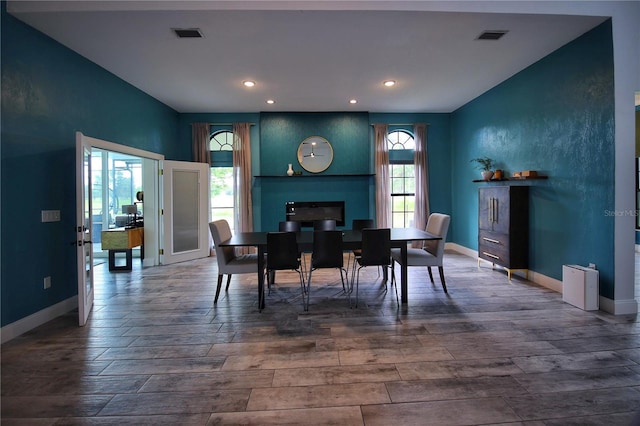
49, 93
280, 136
275, 138
556, 117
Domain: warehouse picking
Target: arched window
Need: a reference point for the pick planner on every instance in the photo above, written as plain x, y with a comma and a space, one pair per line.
221, 176
221, 141
401, 170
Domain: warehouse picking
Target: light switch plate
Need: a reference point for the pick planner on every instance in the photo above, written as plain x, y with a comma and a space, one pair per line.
50, 215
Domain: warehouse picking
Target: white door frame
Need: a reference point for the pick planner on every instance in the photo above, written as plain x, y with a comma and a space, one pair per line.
84, 229
152, 228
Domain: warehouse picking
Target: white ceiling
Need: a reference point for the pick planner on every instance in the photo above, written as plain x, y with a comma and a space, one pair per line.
307, 55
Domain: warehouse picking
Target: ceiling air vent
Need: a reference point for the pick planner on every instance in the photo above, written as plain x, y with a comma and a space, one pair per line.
188, 32
491, 35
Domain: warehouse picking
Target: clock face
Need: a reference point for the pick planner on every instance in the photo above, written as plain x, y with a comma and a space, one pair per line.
315, 154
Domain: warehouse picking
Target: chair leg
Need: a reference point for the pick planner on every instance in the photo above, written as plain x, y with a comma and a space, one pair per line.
441, 271
301, 274
395, 286
346, 289
308, 289
218, 289
228, 282
268, 279
357, 285
271, 279
430, 274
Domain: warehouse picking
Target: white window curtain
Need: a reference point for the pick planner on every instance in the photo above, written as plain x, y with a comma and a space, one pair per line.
200, 135
383, 182
421, 170
242, 179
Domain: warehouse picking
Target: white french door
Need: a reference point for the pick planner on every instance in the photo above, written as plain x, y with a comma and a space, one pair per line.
181, 193
84, 228
186, 211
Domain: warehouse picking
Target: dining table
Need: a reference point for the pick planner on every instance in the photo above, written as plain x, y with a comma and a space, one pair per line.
352, 239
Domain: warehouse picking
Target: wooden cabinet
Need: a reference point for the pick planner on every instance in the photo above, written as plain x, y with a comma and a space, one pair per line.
122, 240
503, 226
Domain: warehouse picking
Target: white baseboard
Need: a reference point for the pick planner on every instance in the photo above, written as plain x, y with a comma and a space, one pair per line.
540, 279
461, 249
25, 324
619, 307
615, 307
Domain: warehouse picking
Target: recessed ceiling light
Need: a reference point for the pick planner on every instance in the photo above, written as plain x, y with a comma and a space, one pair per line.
353, 101
270, 101
389, 83
249, 83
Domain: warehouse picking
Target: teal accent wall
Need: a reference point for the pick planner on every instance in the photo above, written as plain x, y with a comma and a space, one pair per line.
349, 136
556, 117
49, 93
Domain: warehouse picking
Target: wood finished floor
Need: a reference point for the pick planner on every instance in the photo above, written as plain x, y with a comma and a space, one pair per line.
157, 351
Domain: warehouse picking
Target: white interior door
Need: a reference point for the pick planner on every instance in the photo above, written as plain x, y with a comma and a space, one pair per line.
185, 211
84, 228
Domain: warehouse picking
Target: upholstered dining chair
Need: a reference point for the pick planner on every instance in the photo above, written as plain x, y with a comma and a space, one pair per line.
327, 253
228, 262
376, 251
283, 254
432, 252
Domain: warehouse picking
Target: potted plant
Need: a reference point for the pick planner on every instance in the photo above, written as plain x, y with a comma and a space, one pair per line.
485, 164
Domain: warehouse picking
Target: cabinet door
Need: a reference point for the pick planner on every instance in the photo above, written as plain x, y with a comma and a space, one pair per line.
493, 209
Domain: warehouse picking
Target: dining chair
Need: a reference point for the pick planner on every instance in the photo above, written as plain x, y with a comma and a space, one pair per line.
432, 252
376, 251
289, 226
293, 226
358, 225
283, 254
228, 262
324, 225
327, 252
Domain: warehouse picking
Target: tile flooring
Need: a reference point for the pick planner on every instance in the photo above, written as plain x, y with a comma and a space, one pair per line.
156, 351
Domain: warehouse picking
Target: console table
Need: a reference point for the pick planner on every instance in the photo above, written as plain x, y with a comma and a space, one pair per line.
122, 240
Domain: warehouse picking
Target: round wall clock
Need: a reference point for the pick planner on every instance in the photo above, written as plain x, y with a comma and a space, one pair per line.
315, 154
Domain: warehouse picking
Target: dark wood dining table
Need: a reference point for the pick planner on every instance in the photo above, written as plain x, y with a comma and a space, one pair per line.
400, 237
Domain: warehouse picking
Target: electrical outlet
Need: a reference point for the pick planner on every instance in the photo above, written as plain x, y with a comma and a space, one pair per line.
47, 282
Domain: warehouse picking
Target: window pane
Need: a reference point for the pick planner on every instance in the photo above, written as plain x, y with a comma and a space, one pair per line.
410, 185
221, 141
400, 140
222, 200
402, 178
397, 186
